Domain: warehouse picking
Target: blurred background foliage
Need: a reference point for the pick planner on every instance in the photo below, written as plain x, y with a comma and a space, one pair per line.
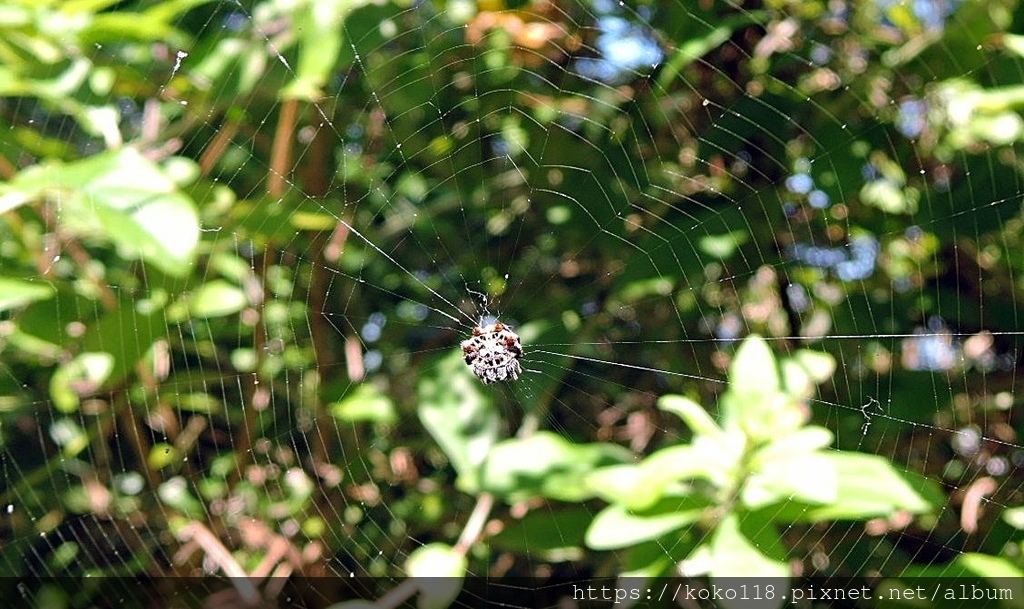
238, 240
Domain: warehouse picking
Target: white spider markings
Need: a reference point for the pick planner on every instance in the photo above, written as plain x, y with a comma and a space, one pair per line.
493, 353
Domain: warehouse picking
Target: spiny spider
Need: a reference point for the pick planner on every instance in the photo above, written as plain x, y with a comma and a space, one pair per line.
493, 353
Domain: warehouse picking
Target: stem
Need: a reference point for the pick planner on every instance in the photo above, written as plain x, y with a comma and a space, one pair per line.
217, 146
281, 153
221, 556
475, 525
397, 595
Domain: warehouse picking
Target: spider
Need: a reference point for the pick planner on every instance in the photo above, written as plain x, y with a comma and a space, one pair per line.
493, 353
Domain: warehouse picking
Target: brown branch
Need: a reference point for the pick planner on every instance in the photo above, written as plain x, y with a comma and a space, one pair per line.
200, 535
7, 168
281, 152
81, 257
475, 524
215, 149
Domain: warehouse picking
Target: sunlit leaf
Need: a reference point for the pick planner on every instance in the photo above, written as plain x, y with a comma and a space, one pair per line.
869, 486
217, 298
81, 376
692, 413
126, 198
364, 403
617, 527
16, 293
753, 368
439, 571
459, 415
746, 546
545, 464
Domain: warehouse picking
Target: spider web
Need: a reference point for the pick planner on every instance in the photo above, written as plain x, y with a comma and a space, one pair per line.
632, 188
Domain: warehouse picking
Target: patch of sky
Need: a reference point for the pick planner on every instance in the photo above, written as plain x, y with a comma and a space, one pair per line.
624, 46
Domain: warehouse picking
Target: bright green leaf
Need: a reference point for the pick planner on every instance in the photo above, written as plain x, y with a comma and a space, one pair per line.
869, 487
439, 571
459, 415
123, 196
753, 369
722, 246
617, 527
321, 36
613, 483
743, 545
217, 298
712, 459
692, 413
16, 293
546, 464
798, 476
794, 445
162, 454
364, 403
81, 376
819, 365
755, 402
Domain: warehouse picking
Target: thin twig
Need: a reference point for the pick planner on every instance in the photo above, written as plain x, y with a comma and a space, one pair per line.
215, 551
475, 525
281, 152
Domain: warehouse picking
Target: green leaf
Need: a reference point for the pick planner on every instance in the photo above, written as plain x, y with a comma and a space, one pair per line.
16, 293
753, 369
126, 332
555, 535
321, 36
755, 402
869, 486
177, 494
459, 415
617, 527
722, 246
639, 486
692, 413
163, 454
747, 546
613, 483
805, 369
546, 464
991, 566
652, 559
1013, 43
122, 196
131, 26
364, 403
439, 571
217, 298
82, 376
795, 476
714, 459
1014, 517
794, 445
819, 365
